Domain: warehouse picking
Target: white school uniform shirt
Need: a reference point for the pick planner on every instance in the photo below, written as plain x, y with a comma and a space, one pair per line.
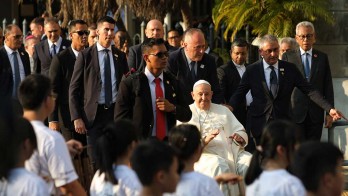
275, 183
196, 184
128, 183
51, 160
21, 182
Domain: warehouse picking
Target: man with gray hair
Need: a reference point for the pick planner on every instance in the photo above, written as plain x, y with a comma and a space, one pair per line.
314, 66
272, 82
287, 44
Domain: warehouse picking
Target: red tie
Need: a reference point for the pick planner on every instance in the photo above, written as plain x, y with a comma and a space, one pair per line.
160, 119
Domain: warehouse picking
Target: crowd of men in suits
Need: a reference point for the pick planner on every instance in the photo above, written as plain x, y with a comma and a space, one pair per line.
80, 85
96, 83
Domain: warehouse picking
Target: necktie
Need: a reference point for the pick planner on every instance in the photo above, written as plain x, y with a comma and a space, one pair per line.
273, 82
17, 78
160, 119
107, 79
306, 66
53, 53
193, 73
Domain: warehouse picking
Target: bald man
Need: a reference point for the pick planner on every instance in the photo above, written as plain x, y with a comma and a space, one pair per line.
154, 29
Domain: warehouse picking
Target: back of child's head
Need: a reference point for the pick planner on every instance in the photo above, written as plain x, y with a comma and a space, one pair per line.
21, 130
315, 159
276, 133
150, 157
114, 142
33, 90
186, 139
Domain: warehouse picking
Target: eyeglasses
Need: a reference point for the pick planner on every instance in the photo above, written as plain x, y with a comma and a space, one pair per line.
161, 54
81, 33
18, 36
303, 37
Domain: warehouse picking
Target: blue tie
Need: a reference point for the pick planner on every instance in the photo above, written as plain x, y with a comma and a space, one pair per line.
107, 79
193, 73
17, 78
306, 66
273, 84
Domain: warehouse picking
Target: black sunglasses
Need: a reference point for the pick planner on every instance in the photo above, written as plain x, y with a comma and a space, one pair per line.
161, 54
81, 33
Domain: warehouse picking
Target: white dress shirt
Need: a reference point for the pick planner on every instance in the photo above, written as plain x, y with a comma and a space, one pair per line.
268, 70
241, 70
303, 56
152, 86
101, 55
58, 44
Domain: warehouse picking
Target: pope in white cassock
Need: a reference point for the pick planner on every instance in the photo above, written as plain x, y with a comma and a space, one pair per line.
224, 137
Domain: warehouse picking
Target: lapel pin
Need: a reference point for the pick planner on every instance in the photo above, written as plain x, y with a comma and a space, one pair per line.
22, 53
281, 69
202, 66
64, 47
315, 55
174, 95
167, 81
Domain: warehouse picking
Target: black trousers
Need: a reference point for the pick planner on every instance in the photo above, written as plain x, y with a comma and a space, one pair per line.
103, 117
311, 130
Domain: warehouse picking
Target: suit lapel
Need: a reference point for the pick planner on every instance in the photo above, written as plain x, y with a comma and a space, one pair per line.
115, 58
26, 64
281, 73
314, 65
147, 92
186, 68
95, 62
46, 49
168, 89
263, 80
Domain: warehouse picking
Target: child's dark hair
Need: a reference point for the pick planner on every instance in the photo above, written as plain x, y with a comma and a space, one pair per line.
185, 138
33, 90
277, 132
150, 157
21, 129
313, 160
115, 141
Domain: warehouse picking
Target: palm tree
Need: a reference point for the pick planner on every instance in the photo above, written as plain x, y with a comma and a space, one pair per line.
277, 17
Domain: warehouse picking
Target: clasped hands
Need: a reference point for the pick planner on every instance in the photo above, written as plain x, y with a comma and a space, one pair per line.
212, 134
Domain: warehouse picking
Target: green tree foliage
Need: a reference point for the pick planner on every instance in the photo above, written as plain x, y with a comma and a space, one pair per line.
277, 17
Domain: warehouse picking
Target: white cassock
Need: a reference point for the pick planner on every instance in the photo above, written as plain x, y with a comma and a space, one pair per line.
221, 155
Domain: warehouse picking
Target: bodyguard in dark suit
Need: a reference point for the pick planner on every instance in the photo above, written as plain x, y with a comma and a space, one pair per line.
271, 83
14, 64
304, 111
190, 64
138, 99
94, 84
46, 49
154, 29
230, 74
61, 71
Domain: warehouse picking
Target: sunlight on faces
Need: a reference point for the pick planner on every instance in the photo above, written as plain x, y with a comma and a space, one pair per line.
105, 33
154, 62
52, 31
36, 30
154, 29
239, 54
194, 46
29, 46
202, 95
14, 38
305, 37
284, 47
76, 39
92, 37
121, 41
174, 39
270, 52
